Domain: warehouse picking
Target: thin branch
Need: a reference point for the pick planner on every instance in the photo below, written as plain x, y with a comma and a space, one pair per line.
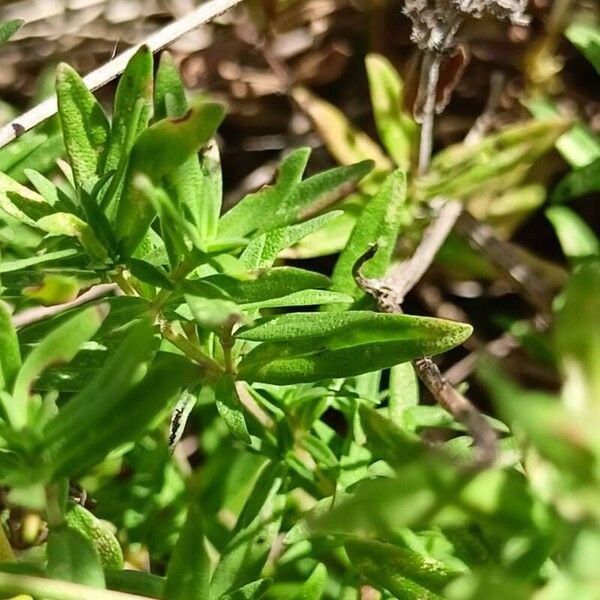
403, 277
430, 76
483, 434
205, 13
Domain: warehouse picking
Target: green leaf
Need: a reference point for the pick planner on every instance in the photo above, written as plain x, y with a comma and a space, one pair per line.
42, 158
19, 149
71, 557
404, 390
9, 28
256, 529
87, 445
132, 108
496, 161
7, 266
169, 93
230, 408
251, 591
578, 146
347, 144
269, 283
135, 582
148, 273
379, 224
314, 587
580, 182
62, 223
18, 201
211, 307
291, 200
578, 336
396, 128
60, 346
405, 574
188, 572
302, 298
53, 289
575, 236
10, 354
387, 440
264, 249
303, 347
158, 151
196, 185
85, 127
586, 36
205, 205
101, 397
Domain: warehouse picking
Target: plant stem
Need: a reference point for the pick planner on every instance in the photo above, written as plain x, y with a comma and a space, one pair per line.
430, 76
190, 350
52, 589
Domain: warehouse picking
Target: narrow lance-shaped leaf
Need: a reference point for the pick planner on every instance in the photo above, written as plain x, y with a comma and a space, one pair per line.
132, 108
314, 587
85, 127
245, 217
67, 224
122, 370
404, 390
396, 128
84, 447
578, 336
169, 94
251, 591
460, 170
574, 234
61, 345
347, 144
580, 182
578, 146
255, 531
264, 249
303, 347
10, 354
19, 149
188, 572
71, 557
8, 266
402, 572
196, 185
230, 408
387, 440
19, 201
159, 150
586, 36
378, 224
269, 283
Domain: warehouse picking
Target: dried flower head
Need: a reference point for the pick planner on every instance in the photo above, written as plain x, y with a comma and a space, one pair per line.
435, 22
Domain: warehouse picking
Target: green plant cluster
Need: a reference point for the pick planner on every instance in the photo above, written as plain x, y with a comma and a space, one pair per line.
201, 326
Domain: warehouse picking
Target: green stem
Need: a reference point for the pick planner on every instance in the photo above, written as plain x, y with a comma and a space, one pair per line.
192, 351
52, 589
